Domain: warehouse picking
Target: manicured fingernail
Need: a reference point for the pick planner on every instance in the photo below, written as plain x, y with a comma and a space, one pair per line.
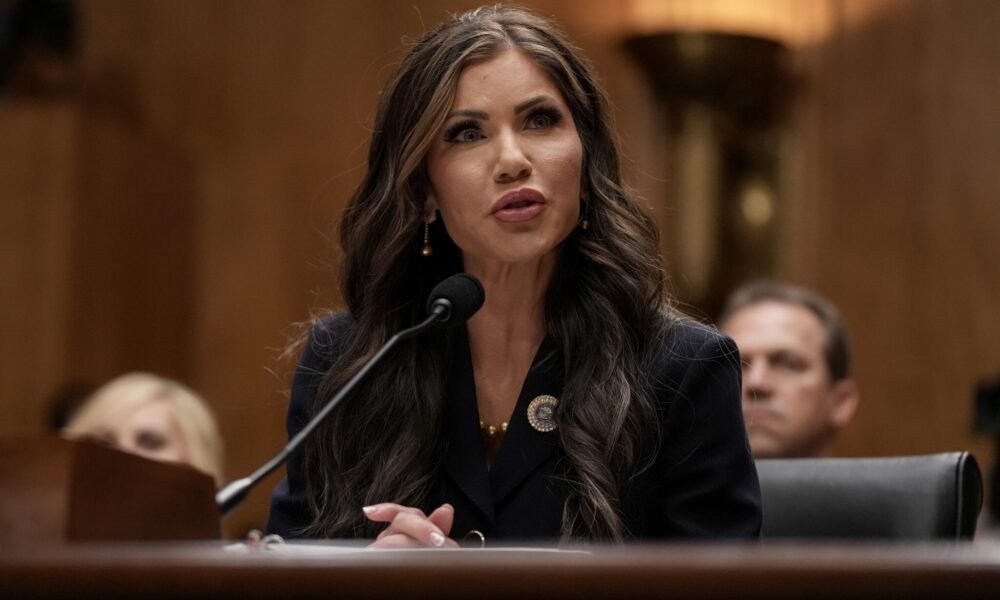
369, 510
437, 538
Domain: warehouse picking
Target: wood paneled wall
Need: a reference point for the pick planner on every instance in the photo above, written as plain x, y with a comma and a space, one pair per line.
38, 191
177, 214
899, 209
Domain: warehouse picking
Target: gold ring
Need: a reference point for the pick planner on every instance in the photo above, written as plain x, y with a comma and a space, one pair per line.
479, 534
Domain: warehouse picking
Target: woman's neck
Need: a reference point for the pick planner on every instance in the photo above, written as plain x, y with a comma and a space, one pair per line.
514, 310
506, 332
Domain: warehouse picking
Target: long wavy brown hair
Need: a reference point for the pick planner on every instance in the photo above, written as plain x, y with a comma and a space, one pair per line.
604, 308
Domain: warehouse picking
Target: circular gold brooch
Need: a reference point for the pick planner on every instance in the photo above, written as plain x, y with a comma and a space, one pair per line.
542, 413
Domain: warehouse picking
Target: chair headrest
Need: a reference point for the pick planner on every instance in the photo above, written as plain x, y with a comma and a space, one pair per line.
936, 496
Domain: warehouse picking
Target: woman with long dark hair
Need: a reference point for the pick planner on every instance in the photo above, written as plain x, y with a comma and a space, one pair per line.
576, 404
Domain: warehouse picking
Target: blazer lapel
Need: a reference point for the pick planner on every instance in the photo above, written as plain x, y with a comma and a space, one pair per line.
466, 461
524, 449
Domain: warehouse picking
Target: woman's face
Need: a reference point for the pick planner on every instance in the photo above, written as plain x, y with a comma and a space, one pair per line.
506, 168
150, 431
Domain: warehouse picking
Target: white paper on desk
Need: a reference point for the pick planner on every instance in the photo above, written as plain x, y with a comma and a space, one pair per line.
325, 549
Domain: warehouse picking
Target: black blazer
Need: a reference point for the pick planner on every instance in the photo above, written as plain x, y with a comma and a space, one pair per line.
703, 483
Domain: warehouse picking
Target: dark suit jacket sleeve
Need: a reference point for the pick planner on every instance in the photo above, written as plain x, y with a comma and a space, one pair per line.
707, 481
289, 512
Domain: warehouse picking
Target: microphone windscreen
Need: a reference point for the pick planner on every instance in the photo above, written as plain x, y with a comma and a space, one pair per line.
464, 294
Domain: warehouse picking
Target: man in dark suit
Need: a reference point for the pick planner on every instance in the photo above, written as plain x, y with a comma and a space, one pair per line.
797, 388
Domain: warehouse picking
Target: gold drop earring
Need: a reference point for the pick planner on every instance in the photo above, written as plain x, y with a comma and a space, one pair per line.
427, 250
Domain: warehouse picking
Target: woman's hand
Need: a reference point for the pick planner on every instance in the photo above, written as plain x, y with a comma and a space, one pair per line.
410, 527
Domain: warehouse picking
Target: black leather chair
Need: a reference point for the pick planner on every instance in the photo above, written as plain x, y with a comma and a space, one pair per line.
932, 497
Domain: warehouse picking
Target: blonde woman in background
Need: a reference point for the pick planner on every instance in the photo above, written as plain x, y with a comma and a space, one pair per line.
153, 417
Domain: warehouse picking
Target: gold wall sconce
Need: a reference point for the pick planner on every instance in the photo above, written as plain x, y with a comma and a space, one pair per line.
725, 98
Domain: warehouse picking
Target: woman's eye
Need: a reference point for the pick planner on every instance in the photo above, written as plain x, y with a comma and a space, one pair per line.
149, 440
464, 132
543, 119
469, 135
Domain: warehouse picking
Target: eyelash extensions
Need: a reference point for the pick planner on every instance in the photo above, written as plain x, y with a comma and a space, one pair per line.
554, 116
452, 133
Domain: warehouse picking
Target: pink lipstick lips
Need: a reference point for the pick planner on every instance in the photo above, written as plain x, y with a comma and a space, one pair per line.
519, 206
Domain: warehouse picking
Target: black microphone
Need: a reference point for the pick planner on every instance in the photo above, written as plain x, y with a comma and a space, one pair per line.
456, 299
451, 303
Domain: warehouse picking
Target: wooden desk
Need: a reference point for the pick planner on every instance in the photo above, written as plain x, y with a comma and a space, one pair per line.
720, 571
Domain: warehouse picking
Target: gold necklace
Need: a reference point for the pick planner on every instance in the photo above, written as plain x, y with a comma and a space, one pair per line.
493, 430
